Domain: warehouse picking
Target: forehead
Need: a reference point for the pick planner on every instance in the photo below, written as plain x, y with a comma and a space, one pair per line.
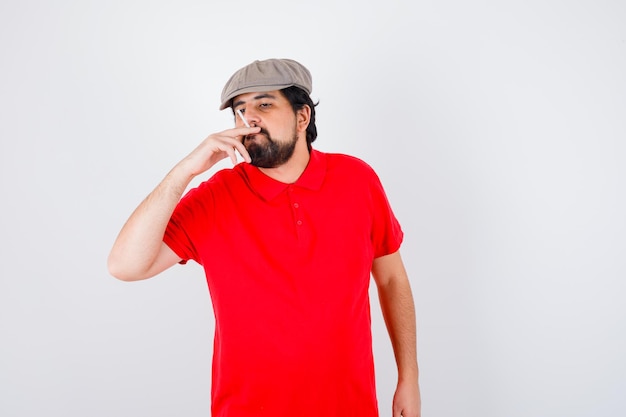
259, 95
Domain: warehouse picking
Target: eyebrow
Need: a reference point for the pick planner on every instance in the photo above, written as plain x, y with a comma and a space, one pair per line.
259, 97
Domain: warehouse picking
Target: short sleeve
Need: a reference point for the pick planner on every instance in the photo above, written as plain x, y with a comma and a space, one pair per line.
387, 234
191, 216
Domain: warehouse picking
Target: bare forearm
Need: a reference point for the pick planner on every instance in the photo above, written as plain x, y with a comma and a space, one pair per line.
139, 242
399, 312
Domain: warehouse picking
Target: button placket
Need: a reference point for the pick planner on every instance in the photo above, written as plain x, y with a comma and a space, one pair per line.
295, 207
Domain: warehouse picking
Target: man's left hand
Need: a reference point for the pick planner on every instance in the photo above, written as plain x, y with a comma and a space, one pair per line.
407, 401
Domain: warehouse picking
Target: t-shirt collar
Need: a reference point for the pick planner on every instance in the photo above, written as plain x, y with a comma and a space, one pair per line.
269, 188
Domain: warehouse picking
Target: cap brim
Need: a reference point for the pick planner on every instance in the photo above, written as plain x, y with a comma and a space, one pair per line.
252, 89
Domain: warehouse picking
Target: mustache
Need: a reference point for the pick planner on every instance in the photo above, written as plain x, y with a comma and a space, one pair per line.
262, 132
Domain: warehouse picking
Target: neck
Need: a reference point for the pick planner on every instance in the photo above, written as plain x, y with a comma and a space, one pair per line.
290, 171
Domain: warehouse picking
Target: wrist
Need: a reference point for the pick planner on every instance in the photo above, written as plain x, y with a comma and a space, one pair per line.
182, 172
408, 376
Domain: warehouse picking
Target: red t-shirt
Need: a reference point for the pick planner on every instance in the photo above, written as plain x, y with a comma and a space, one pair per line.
288, 268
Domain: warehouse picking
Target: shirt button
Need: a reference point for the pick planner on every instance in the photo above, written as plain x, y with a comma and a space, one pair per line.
299, 222
296, 205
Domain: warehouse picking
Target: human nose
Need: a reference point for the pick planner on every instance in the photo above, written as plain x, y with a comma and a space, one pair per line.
252, 116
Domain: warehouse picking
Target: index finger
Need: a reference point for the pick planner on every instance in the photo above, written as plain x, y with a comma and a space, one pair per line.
242, 131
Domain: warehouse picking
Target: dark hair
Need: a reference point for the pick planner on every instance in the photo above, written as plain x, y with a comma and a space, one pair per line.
298, 98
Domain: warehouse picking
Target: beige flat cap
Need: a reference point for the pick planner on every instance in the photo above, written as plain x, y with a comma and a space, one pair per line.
267, 75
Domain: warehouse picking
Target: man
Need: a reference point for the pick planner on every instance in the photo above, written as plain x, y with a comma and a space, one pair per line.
288, 240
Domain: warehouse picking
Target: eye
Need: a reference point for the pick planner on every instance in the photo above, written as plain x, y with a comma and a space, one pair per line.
265, 106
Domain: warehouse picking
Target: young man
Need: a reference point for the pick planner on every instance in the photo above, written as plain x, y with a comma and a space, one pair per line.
288, 240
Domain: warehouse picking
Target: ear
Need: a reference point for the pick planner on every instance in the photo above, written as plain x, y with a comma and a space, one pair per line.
303, 117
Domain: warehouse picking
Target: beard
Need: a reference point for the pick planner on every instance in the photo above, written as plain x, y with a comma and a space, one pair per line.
270, 153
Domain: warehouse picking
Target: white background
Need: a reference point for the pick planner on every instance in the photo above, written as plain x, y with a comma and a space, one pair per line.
498, 129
